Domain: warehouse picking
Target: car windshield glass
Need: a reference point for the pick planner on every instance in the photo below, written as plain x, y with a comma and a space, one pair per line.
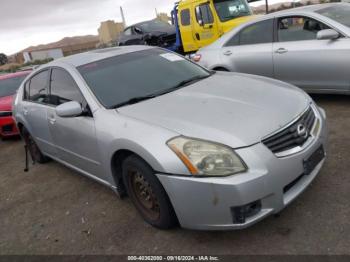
339, 13
134, 76
154, 25
230, 9
8, 87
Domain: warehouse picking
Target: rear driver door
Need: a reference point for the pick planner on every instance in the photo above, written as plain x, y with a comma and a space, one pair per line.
35, 104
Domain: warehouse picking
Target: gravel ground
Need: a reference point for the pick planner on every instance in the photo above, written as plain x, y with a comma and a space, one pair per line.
53, 210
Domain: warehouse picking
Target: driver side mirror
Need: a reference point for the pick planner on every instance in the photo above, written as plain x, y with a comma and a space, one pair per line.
138, 31
327, 34
69, 109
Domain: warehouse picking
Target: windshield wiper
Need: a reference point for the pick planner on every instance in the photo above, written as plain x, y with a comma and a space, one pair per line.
190, 81
133, 100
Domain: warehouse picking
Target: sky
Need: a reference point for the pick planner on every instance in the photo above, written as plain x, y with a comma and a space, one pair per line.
25, 23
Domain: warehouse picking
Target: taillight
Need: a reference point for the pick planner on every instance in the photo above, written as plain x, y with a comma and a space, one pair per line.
196, 58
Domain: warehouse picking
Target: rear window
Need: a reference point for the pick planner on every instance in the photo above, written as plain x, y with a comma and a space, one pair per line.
118, 79
339, 13
8, 87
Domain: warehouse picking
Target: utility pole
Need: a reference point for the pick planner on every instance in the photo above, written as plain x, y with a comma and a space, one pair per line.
123, 17
267, 6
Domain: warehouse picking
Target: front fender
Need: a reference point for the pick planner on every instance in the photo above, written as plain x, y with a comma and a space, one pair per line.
115, 132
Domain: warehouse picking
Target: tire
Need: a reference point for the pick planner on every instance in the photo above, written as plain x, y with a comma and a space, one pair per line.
147, 193
33, 148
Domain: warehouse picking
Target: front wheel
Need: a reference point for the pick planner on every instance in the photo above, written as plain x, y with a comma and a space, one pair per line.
147, 194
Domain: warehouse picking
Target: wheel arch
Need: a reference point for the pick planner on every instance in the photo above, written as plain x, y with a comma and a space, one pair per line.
21, 123
220, 68
127, 148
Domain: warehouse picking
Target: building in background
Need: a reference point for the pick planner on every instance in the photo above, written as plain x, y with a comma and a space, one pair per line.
65, 47
163, 17
42, 54
109, 31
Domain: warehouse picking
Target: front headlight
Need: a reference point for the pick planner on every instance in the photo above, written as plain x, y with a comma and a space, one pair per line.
206, 158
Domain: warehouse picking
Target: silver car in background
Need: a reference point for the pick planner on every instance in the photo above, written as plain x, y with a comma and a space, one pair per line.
203, 149
308, 47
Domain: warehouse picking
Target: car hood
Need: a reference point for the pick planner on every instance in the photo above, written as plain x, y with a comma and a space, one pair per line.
6, 103
229, 108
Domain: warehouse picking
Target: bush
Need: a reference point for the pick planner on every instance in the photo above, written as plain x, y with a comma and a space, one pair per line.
38, 62
3, 59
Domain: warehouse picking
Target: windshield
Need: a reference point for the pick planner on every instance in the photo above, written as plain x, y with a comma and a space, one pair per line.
154, 25
230, 9
339, 13
119, 79
8, 87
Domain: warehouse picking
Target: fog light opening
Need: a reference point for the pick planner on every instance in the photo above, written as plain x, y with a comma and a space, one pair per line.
241, 213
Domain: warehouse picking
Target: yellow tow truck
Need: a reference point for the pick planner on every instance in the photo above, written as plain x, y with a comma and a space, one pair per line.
198, 23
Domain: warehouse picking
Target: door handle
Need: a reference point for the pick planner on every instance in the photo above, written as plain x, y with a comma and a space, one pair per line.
228, 53
52, 120
25, 111
198, 36
281, 51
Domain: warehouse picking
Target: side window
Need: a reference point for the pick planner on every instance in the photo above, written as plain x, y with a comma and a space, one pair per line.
64, 89
38, 87
298, 28
259, 33
204, 14
128, 31
26, 90
233, 41
185, 17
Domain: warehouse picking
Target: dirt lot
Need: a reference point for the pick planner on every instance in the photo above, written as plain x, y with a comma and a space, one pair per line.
52, 210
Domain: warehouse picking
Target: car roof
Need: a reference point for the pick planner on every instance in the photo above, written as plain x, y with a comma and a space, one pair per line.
96, 55
12, 75
303, 9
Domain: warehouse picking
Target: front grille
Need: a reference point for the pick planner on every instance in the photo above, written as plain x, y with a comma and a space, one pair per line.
294, 135
7, 129
5, 114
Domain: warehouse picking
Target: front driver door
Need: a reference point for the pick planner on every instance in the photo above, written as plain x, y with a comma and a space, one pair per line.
205, 28
74, 138
311, 64
250, 50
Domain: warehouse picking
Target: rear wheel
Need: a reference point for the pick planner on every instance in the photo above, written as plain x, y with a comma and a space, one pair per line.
33, 148
147, 193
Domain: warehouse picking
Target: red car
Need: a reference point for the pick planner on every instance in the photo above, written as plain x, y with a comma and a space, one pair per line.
9, 84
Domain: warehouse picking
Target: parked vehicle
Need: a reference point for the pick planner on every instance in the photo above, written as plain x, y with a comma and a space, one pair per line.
9, 83
188, 145
308, 47
199, 23
154, 33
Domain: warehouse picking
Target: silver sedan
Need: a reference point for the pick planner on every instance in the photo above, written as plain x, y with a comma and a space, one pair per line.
187, 145
308, 47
